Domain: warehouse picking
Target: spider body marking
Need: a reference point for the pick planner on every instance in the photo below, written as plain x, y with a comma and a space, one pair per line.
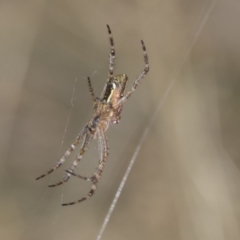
107, 110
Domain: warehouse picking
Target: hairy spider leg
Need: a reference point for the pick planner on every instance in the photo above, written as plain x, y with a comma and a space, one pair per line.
102, 143
139, 78
66, 154
112, 54
91, 90
86, 141
104, 150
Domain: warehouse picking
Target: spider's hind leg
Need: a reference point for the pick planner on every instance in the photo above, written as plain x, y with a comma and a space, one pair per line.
90, 193
89, 179
66, 154
103, 149
70, 172
94, 179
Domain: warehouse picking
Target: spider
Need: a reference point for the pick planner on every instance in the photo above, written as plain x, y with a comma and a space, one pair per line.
106, 110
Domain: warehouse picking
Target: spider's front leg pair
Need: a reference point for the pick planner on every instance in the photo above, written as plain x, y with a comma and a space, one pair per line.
139, 78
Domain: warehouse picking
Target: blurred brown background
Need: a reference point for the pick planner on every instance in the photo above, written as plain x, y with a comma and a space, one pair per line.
185, 183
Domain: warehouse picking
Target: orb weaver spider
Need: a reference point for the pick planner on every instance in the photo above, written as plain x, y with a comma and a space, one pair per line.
106, 110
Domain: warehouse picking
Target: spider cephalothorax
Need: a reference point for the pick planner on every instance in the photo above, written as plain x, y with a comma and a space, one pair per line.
107, 110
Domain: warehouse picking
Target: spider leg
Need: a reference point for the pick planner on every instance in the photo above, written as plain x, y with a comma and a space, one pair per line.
83, 149
103, 144
66, 154
91, 90
91, 192
89, 179
112, 53
139, 78
111, 59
